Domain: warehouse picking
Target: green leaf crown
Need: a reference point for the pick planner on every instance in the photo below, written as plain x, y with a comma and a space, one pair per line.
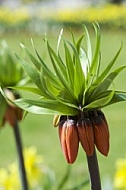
76, 82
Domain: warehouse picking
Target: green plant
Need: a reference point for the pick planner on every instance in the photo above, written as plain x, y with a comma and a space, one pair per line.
11, 74
76, 90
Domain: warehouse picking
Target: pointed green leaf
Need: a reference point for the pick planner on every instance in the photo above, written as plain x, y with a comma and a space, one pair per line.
95, 62
32, 58
48, 71
57, 64
69, 66
59, 40
23, 81
45, 107
52, 78
84, 62
47, 93
89, 49
61, 76
118, 97
78, 44
103, 86
78, 73
31, 71
73, 38
100, 102
107, 69
29, 89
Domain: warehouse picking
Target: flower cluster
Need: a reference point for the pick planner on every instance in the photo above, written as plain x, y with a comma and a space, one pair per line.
9, 178
90, 129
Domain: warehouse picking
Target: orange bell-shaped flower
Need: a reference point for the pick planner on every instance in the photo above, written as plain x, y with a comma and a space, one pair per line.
69, 139
86, 136
101, 133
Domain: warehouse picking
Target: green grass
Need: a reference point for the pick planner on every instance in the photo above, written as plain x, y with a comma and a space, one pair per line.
37, 130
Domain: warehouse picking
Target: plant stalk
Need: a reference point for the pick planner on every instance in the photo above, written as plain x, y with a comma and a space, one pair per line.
94, 172
20, 156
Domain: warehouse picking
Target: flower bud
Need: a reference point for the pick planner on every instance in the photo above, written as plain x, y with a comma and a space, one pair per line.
69, 139
86, 136
10, 116
56, 120
101, 114
101, 135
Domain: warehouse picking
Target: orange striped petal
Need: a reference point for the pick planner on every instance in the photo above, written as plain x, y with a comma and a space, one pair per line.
10, 116
69, 140
101, 135
86, 136
101, 114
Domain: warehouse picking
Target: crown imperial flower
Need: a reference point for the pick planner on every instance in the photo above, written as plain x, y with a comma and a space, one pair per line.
75, 90
101, 134
69, 139
86, 137
91, 129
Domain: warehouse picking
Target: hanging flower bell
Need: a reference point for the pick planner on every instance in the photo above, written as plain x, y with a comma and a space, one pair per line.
12, 113
90, 130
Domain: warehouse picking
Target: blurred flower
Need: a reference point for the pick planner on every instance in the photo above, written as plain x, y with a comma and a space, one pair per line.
9, 177
120, 174
11, 74
32, 164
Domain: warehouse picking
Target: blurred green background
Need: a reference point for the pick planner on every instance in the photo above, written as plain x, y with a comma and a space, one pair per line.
38, 130
20, 24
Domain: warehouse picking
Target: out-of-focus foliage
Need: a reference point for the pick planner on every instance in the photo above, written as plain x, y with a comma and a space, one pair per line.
109, 15
28, 1
11, 74
13, 19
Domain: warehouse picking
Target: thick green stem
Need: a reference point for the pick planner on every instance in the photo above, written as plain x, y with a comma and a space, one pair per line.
21, 159
94, 172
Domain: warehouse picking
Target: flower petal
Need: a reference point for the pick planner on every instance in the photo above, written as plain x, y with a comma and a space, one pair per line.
86, 136
101, 135
69, 140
